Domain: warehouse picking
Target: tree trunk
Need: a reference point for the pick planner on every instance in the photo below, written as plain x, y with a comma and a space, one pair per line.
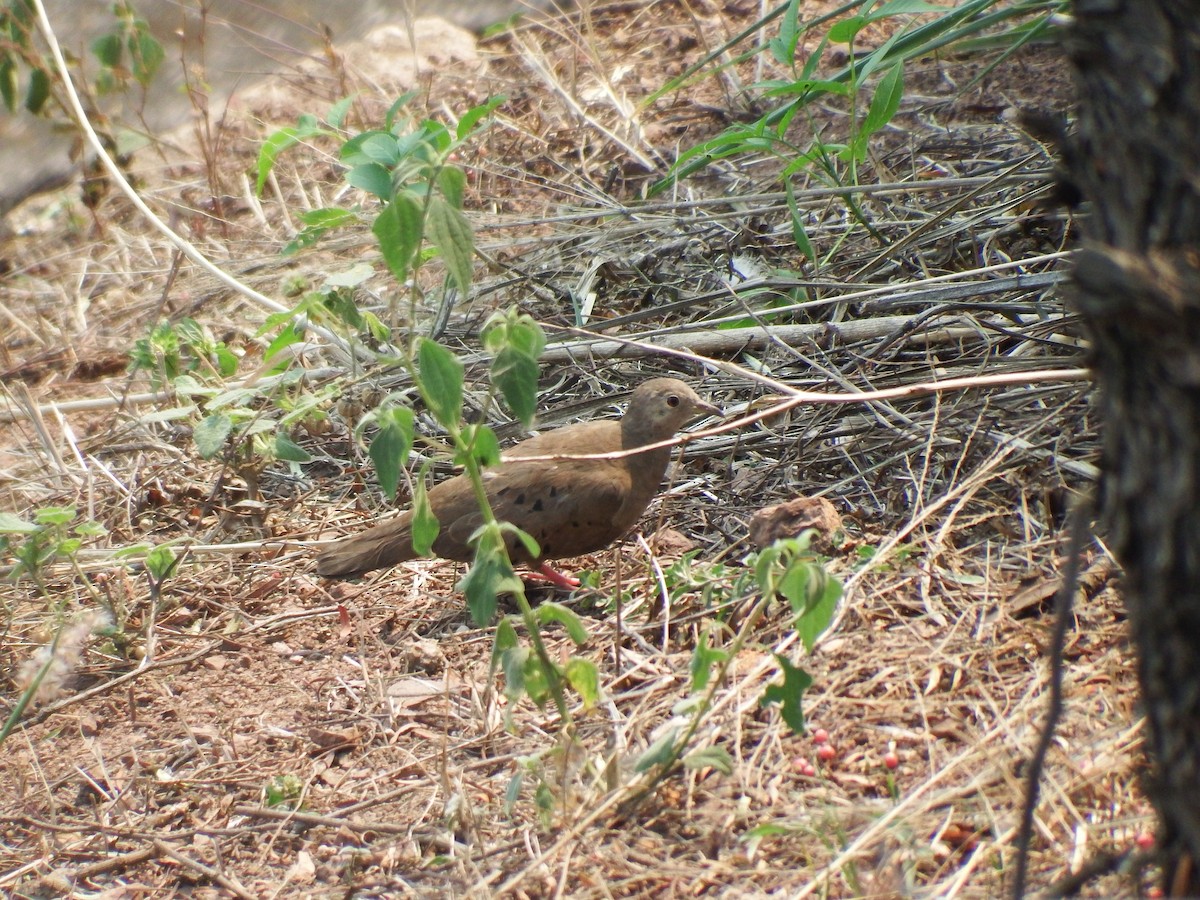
1136, 161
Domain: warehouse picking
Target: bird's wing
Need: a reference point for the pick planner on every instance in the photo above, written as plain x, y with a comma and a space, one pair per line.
569, 508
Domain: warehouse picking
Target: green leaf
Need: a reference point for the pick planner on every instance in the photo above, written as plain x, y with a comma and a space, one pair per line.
467, 123
289, 451
108, 49
512, 793
380, 147
440, 374
11, 524
453, 184
799, 232
161, 562
451, 233
211, 433
888, 94
425, 525
710, 758
513, 665
789, 694
584, 677
516, 375
316, 223
54, 515
555, 612
537, 680
339, 110
8, 83
813, 623
704, 658
660, 753
490, 575
279, 141
372, 178
390, 447
847, 30
481, 442
38, 91
399, 229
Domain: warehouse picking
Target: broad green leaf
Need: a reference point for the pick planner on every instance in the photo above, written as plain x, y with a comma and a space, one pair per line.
11, 524
390, 447
710, 757
398, 230
555, 612
789, 694
108, 49
660, 752
516, 375
482, 444
380, 147
813, 623
372, 178
211, 433
440, 374
453, 184
288, 450
38, 91
584, 677
537, 681
513, 665
337, 113
54, 515
846, 30
161, 562
490, 575
425, 525
148, 56
451, 233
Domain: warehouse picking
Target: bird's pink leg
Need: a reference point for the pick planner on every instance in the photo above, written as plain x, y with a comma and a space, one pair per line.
559, 579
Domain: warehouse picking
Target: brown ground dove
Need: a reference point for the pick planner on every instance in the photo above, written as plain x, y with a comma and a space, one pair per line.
570, 507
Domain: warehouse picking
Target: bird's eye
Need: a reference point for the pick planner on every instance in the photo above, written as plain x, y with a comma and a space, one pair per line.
672, 401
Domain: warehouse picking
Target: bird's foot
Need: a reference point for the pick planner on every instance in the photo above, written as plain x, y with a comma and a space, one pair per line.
546, 572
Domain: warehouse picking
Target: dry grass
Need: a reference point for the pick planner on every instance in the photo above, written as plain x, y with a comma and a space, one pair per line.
149, 778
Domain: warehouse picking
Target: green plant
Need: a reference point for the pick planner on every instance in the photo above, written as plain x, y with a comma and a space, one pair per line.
53, 534
869, 84
786, 570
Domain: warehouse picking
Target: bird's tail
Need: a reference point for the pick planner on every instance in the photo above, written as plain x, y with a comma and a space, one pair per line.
376, 548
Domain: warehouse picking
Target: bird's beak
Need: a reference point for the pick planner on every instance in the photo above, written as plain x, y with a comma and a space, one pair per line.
704, 408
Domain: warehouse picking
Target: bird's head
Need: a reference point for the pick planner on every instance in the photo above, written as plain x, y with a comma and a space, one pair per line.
659, 408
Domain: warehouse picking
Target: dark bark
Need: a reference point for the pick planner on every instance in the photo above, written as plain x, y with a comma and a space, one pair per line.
1135, 160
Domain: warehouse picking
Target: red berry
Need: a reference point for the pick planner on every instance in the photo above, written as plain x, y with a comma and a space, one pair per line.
809, 771
820, 736
1145, 840
826, 753
891, 760
1154, 892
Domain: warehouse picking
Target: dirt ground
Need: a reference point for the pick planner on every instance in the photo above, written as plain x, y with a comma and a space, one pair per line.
255, 731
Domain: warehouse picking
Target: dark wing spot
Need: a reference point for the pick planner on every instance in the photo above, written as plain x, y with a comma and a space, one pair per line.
546, 550
520, 501
537, 506
553, 491
574, 524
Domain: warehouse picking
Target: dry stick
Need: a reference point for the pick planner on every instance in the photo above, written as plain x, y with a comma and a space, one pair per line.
228, 882
185, 247
1063, 602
